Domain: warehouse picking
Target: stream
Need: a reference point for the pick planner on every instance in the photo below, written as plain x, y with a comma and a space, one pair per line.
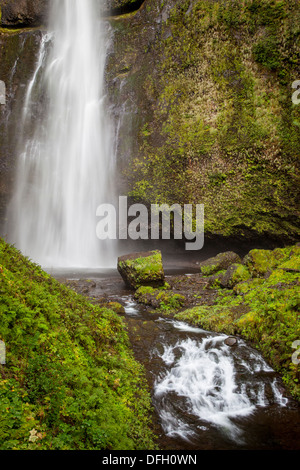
206, 394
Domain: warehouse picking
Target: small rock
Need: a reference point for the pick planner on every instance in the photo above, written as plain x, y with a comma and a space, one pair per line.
231, 341
260, 262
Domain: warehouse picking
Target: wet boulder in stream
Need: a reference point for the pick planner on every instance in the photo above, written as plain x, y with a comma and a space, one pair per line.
142, 269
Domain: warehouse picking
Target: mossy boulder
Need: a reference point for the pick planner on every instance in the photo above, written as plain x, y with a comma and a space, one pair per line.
259, 262
23, 13
218, 263
293, 262
235, 274
142, 269
161, 298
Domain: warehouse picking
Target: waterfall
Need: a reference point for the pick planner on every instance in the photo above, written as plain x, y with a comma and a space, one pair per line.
66, 150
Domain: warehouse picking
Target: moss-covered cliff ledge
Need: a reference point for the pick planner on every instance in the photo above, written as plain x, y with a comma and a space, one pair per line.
70, 381
205, 90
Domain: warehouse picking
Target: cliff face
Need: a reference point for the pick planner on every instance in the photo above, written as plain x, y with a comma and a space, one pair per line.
201, 91
206, 93
28, 13
18, 53
19, 13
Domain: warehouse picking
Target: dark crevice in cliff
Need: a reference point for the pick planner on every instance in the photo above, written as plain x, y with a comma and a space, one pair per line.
125, 9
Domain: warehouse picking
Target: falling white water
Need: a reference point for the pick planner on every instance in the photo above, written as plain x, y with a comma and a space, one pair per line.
66, 160
203, 375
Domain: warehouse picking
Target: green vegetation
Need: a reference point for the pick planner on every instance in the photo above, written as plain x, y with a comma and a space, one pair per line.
162, 298
264, 309
217, 117
146, 269
70, 380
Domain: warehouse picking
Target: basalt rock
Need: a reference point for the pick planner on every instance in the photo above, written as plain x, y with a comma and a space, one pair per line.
159, 298
30, 13
181, 76
23, 13
231, 341
142, 269
218, 263
234, 274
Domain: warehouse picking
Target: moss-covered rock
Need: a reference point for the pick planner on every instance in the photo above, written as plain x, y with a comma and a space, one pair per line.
205, 91
162, 299
142, 269
218, 263
31, 13
264, 309
235, 274
293, 263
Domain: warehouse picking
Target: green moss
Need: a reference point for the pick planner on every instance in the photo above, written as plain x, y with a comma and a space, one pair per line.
235, 274
259, 262
162, 298
265, 311
145, 270
70, 381
116, 307
220, 122
168, 301
218, 263
266, 52
240, 274
292, 264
